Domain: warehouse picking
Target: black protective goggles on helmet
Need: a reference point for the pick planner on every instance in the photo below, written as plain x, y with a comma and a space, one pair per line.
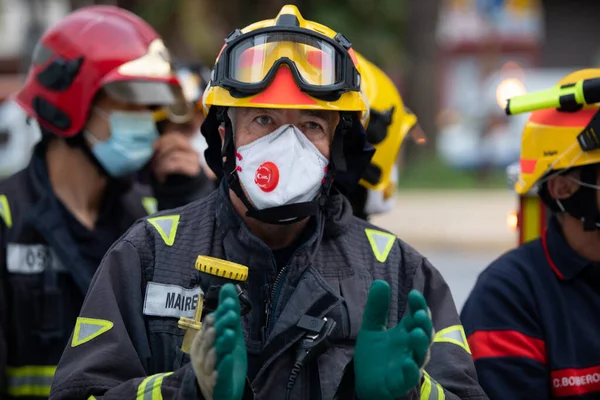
321, 66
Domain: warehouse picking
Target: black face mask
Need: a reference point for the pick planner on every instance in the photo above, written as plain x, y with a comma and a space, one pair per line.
582, 204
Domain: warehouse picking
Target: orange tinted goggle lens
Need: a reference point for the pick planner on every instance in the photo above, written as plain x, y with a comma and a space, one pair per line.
252, 60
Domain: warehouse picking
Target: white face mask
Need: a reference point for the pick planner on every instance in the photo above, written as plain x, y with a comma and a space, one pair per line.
281, 168
199, 144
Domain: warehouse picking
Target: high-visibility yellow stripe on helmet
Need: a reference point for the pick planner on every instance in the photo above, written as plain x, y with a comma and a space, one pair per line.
454, 334
430, 389
149, 389
29, 380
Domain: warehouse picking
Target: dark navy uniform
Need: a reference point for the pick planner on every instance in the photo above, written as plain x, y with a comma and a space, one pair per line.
47, 261
532, 323
127, 342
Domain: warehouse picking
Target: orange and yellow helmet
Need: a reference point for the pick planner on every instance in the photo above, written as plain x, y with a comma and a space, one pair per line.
291, 63
287, 62
556, 140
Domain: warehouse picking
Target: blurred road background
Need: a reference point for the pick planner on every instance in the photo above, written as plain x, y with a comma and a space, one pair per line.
460, 232
455, 62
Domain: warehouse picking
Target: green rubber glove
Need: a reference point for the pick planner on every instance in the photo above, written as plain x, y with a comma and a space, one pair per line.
388, 362
218, 353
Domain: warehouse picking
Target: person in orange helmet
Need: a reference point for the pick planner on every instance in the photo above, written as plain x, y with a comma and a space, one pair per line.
530, 319
296, 297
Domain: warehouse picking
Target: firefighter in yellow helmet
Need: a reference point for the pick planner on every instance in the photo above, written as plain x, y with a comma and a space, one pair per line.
389, 124
284, 132
529, 312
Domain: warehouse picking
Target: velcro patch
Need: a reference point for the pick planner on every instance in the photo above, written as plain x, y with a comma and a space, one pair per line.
163, 300
31, 259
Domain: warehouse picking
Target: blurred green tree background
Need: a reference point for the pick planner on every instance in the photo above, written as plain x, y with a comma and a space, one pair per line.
397, 35
194, 29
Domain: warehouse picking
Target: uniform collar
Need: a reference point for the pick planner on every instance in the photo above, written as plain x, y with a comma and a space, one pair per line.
563, 260
41, 180
46, 216
337, 215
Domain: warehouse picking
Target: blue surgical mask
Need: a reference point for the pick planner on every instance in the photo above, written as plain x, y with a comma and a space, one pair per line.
129, 146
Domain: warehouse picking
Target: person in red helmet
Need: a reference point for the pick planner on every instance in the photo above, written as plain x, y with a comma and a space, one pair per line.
96, 81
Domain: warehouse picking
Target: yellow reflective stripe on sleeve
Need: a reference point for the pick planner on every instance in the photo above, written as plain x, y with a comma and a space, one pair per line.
430, 389
149, 389
5, 211
166, 226
453, 334
381, 243
425, 387
30, 380
150, 204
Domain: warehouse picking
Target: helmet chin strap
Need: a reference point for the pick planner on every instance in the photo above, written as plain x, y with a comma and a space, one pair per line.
289, 213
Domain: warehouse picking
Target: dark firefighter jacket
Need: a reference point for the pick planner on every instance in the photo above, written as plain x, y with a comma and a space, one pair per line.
47, 261
532, 323
127, 341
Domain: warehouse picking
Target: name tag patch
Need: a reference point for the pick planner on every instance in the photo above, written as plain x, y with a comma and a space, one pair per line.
31, 259
163, 300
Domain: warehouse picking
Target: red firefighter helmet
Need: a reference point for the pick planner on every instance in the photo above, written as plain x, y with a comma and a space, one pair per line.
93, 48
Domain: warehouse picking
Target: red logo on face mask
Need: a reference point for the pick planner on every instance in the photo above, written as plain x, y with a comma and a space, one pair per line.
267, 176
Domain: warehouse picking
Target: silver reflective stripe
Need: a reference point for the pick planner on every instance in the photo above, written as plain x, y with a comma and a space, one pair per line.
30, 380
434, 394
31, 258
16, 381
150, 388
430, 389
165, 224
453, 334
150, 385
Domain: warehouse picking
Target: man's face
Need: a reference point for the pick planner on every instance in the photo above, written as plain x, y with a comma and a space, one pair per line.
250, 124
